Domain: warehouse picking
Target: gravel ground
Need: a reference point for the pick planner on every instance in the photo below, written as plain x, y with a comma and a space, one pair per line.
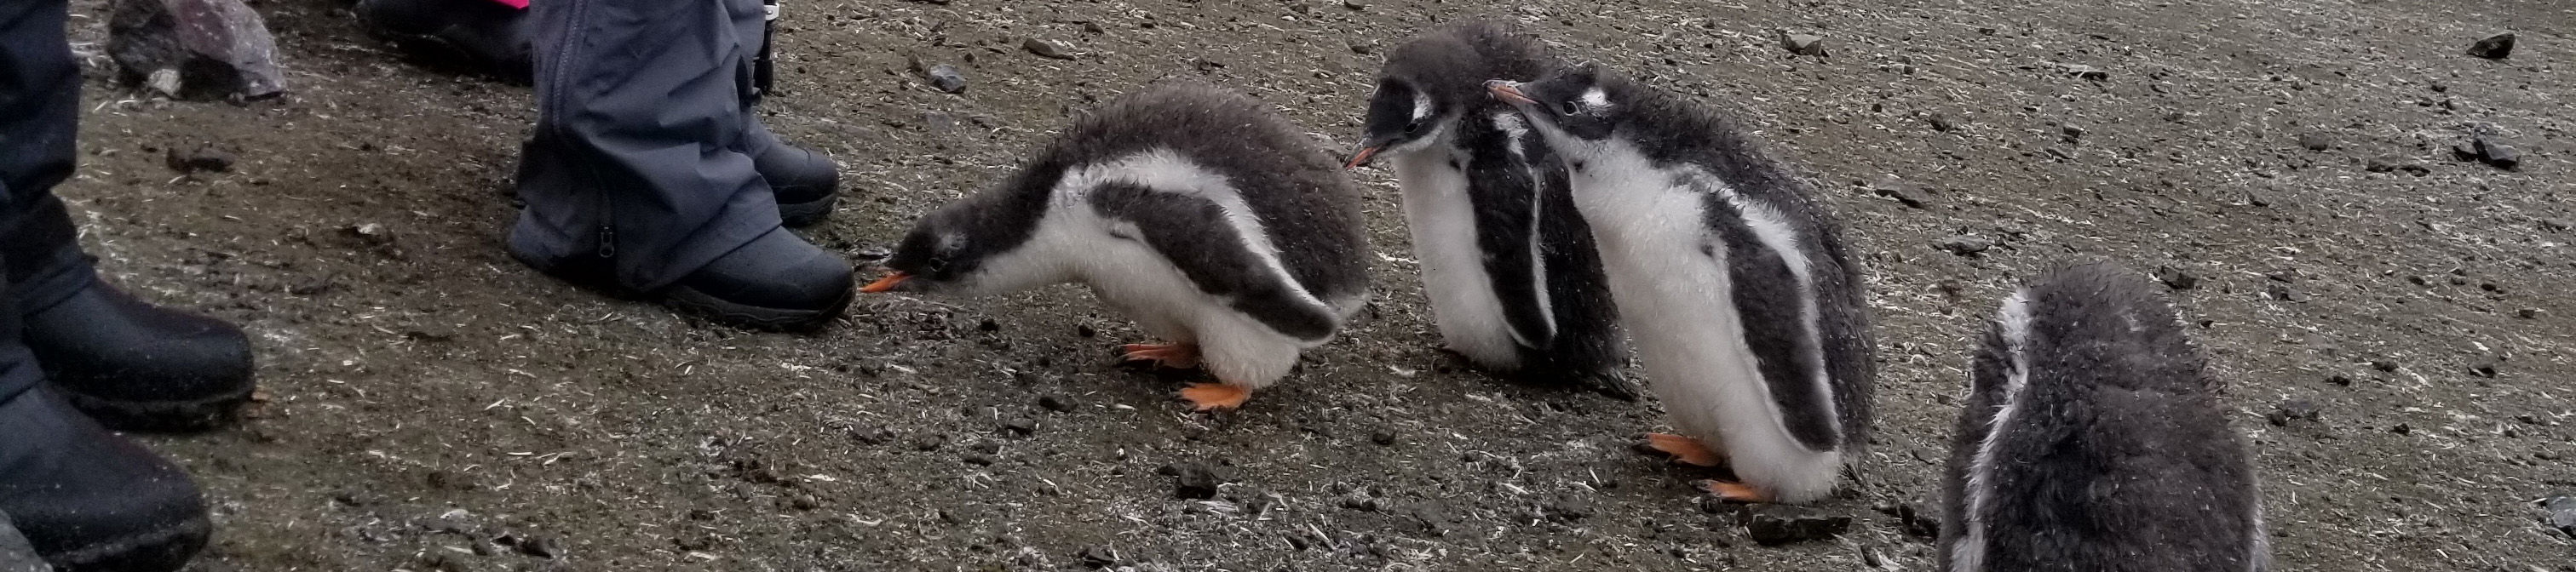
431, 405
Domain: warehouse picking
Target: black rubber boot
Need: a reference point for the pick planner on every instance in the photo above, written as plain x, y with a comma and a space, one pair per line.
806, 182
778, 281
480, 35
140, 367
89, 500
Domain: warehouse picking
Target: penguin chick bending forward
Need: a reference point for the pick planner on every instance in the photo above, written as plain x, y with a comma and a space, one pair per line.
1732, 280
1194, 210
2092, 440
1509, 267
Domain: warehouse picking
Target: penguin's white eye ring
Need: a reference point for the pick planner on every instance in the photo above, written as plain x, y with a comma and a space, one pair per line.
1414, 127
1568, 107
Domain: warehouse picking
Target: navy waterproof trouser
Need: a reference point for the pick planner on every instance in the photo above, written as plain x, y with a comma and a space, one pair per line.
39, 118
637, 164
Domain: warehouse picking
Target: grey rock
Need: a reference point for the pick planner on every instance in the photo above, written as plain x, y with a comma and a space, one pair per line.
1055, 403
16, 554
1903, 191
1194, 480
944, 77
1942, 122
540, 546
2176, 279
1047, 49
2085, 72
1965, 244
2494, 47
1774, 525
2500, 155
2316, 141
2294, 410
2559, 512
201, 159
2395, 164
1803, 44
195, 49
1098, 557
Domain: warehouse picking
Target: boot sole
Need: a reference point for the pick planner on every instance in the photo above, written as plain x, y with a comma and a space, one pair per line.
154, 551
693, 301
807, 213
161, 416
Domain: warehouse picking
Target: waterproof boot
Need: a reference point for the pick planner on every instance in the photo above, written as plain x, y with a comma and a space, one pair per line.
140, 367
481, 35
91, 501
805, 181
778, 281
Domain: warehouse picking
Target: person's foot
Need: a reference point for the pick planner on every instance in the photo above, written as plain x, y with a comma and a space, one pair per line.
776, 281
482, 35
805, 181
88, 500
136, 366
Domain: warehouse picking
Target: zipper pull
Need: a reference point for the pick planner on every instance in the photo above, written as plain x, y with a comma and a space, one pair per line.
607, 241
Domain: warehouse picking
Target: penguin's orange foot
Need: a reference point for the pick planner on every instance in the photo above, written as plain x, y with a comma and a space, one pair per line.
1175, 356
1215, 396
1735, 492
1684, 450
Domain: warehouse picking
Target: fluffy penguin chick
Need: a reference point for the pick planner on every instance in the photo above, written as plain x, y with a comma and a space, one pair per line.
1732, 281
1508, 265
2092, 440
1211, 221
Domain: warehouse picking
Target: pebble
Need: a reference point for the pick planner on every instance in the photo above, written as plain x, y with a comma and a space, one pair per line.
540, 546
1193, 480
1774, 525
2283, 292
1055, 403
1362, 47
2494, 47
1085, 330
1098, 557
202, 159
2560, 513
2395, 163
946, 78
2316, 141
198, 49
1046, 49
2085, 72
2293, 409
2176, 279
1965, 244
1569, 509
1354, 5
1803, 44
1383, 438
1942, 122
1020, 427
1903, 191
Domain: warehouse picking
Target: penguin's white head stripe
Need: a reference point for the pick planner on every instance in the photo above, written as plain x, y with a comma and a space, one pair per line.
2014, 320
1421, 105
1595, 98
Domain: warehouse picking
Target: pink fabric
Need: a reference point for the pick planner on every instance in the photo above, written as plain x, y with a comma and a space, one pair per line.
521, 4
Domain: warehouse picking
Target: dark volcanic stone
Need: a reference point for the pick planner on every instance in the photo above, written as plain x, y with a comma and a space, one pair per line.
195, 49
2395, 164
2559, 512
1098, 557
202, 159
1904, 192
1046, 49
2494, 47
1020, 427
540, 546
1382, 438
2316, 141
944, 77
1773, 525
1803, 44
2294, 409
1965, 244
1941, 122
2176, 279
1194, 480
1055, 403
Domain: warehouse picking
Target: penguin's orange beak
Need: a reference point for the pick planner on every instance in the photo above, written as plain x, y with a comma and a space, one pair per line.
885, 284
1362, 157
1509, 91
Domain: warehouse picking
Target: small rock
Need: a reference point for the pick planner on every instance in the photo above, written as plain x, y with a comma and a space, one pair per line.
1941, 122
1020, 427
540, 546
1965, 244
2486, 367
2500, 155
2395, 163
2071, 132
2294, 409
1354, 5
1098, 557
1046, 49
944, 77
980, 459
1085, 330
1803, 44
2528, 313
202, 159
1363, 47
1383, 438
195, 49
2559, 512
2085, 72
1774, 525
2176, 279
2283, 292
1055, 403
989, 325
2316, 141
2494, 47
2383, 365
2557, 224
1194, 480
1908, 193
1569, 509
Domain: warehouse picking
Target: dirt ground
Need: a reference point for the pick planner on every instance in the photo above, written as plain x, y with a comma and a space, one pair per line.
431, 405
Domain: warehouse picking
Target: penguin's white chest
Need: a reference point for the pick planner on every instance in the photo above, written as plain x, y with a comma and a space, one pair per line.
1443, 223
1668, 272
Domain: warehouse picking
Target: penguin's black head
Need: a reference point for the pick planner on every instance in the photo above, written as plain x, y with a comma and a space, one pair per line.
941, 254
1576, 105
1401, 117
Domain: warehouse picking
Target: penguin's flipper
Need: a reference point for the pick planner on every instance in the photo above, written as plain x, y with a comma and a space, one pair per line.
1215, 396
1175, 356
1735, 492
1616, 386
1226, 255
1685, 450
1506, 203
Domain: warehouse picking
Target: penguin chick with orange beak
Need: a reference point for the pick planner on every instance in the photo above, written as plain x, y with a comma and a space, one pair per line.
1196, 211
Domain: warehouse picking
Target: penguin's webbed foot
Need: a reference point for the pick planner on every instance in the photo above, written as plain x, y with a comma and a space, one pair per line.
1215, 396
1684, 450
1175, 356
1735, 492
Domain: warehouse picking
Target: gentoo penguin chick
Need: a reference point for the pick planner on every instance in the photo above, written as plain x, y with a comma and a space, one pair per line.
2092, 439
1731, 278
1211, 221
1507, 264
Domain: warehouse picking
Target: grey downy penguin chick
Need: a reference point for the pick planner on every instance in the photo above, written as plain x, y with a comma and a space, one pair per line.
1732, 280
1508, 265
1194, 210
2092, 439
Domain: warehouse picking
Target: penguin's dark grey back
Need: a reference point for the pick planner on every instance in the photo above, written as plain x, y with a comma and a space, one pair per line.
2092, 439
1306, 204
